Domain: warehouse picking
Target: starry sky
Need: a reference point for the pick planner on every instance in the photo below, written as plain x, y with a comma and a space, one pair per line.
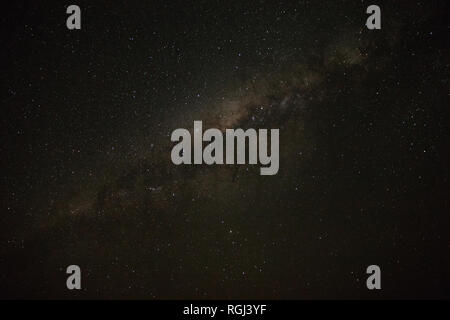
86, 176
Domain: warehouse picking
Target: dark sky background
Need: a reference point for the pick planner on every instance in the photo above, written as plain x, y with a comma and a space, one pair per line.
86, 176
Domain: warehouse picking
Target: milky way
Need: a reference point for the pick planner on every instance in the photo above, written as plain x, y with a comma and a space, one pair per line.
87, 177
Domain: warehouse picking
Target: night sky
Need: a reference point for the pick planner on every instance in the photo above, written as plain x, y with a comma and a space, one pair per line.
86, 176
